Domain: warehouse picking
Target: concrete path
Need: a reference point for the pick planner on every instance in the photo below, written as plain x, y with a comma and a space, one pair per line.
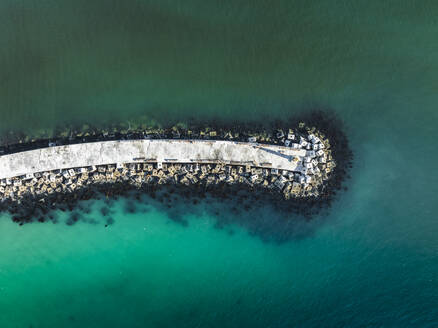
129, 151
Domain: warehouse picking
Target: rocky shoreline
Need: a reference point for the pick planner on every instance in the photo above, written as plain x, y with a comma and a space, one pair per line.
321, 173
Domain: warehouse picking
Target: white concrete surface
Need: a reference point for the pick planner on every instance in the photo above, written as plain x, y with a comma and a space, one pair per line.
182, 151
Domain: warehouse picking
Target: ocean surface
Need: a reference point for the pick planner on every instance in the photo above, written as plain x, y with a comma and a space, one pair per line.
371, 261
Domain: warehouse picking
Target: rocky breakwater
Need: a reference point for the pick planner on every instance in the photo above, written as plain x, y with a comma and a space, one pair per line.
295, 165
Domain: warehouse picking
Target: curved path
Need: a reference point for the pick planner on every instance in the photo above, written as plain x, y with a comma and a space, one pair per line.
161, 150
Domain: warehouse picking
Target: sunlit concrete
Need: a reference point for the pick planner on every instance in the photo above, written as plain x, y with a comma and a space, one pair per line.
129, 151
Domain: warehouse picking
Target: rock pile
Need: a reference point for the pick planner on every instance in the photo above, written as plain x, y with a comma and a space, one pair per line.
317, 175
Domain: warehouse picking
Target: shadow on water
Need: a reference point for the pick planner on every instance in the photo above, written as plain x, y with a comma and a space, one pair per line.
262, 216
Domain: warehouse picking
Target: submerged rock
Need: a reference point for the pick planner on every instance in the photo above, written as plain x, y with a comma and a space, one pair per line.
326, 165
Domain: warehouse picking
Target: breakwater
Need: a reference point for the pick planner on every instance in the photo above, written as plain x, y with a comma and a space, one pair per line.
296, 163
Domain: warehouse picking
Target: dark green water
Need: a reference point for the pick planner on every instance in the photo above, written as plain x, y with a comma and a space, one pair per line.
373, 262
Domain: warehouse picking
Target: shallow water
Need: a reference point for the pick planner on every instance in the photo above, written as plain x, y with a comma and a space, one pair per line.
372, 262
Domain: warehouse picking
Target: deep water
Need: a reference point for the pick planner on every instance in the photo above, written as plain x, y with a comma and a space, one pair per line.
372, 261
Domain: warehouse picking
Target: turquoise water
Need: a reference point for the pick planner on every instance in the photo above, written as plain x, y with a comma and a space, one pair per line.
372, 262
